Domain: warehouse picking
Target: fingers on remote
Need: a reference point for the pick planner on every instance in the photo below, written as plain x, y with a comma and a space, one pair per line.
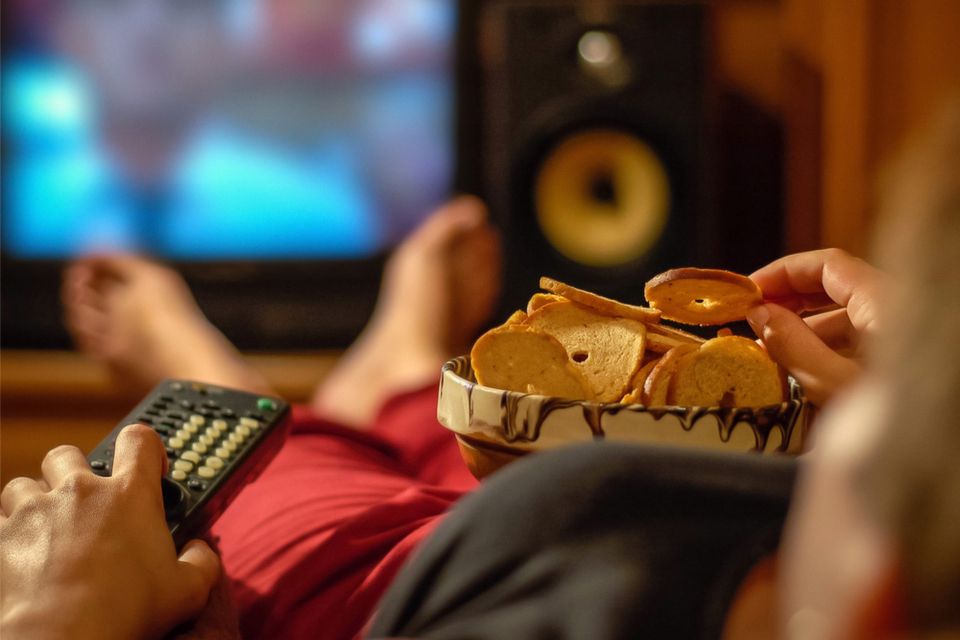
208, 432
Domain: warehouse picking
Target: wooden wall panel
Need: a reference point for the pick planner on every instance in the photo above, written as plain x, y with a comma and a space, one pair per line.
870, 72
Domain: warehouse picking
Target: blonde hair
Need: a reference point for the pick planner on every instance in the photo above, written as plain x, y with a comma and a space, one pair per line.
912, 482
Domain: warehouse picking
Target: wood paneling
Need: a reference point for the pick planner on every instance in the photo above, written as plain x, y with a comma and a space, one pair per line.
868, 73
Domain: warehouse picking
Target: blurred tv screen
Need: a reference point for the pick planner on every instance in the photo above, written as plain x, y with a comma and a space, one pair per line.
203, 130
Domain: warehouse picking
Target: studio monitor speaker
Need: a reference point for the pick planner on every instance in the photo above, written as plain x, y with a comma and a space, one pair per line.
585, 127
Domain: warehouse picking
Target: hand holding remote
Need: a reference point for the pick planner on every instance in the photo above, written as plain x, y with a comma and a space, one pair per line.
88, 556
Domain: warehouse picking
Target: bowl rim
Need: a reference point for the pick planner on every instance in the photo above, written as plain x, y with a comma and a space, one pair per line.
450, 367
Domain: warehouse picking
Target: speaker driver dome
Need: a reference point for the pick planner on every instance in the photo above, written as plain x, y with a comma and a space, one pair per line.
602, 197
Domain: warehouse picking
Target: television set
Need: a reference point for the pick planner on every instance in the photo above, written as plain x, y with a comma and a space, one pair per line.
273, 151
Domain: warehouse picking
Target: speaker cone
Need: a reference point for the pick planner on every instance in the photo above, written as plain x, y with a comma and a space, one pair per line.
602, 197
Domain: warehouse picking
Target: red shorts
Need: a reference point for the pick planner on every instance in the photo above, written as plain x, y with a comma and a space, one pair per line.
312, 545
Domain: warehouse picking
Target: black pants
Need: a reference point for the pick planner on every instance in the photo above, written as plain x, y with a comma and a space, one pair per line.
596, 541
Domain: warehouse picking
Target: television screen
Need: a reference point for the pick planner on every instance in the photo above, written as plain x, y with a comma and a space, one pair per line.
218, 130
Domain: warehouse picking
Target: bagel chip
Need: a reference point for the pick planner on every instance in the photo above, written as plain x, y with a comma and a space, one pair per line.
730, 371
517, 358
606, 350
600, 303
702, 296
657, 384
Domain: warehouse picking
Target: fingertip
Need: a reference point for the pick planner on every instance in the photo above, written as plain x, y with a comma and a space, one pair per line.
138, 430
757, 318
793, 345
203, 562
136, 445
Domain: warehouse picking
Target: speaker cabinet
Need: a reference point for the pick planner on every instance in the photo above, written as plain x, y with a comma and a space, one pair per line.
584, 125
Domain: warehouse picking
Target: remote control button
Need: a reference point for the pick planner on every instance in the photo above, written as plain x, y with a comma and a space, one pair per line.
197, 485
199, 447
177, 474
229, 445
189, 427
183, 465
174, 498
186, 404
212, 433
175, 442
167, 422
214, 462
206, 413
159, 405
176, 415
206, 472
145, 419
166, 398
162, 430
98, 465
236, 437
177, 386
223, 453
192, 456
250, 423
152, 412
228, 413
243, 430
211, 404
170, 451
199, 388
254, 415
219, 424
183, 434
198, 420
207, 440
266, 404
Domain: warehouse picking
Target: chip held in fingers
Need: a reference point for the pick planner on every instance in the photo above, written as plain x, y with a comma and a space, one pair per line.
702, 296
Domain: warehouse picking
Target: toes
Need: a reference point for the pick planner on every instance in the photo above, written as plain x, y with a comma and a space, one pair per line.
87, 325
460, 215
77, 278
118, 268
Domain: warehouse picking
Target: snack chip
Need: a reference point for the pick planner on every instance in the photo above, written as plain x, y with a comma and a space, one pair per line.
600, 303
702, 296
575, 344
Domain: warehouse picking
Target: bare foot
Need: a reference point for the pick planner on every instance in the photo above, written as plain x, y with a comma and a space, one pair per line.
140, 319
438, 290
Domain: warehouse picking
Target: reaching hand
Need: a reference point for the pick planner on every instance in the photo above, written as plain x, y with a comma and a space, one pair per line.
818, 350
85, 556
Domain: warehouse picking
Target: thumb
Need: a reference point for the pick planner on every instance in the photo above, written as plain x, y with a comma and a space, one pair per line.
795, 347
199, 569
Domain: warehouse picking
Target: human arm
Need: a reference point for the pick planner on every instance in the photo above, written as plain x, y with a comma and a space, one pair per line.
85, 556
819, 350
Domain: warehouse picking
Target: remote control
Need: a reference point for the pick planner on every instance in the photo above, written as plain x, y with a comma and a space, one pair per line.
217, 441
